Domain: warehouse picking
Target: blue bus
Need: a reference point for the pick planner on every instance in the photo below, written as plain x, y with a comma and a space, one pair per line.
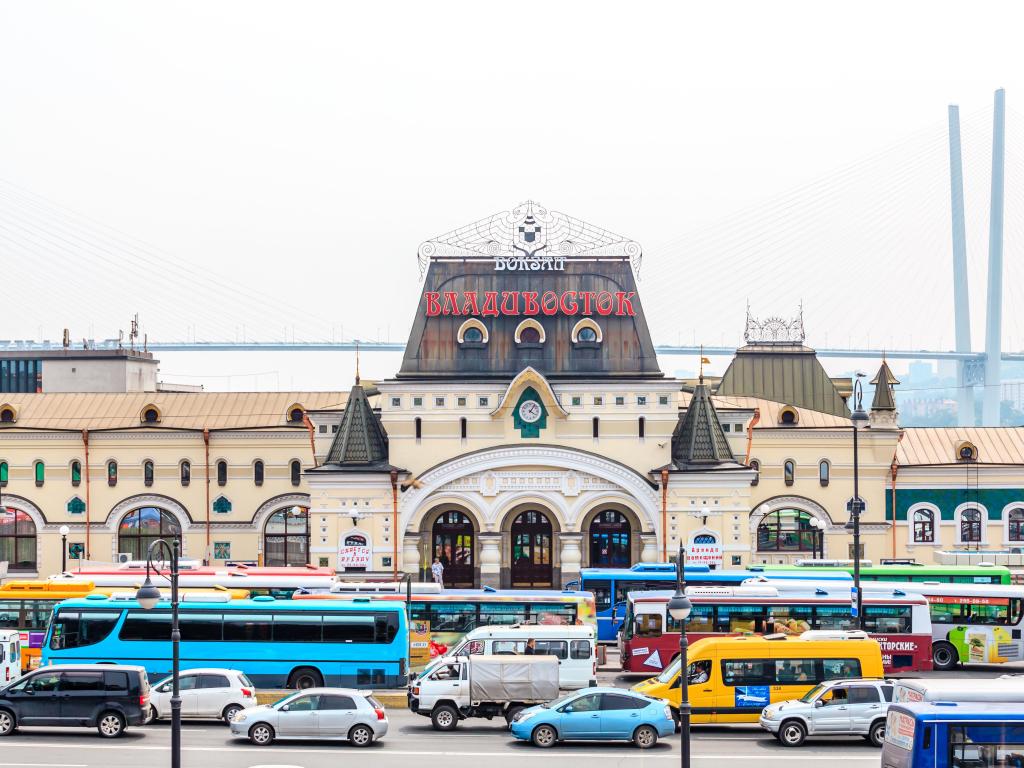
944, 734
276, 643
611, 586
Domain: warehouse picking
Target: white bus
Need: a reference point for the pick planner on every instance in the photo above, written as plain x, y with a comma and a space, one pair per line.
971, 623
10, 655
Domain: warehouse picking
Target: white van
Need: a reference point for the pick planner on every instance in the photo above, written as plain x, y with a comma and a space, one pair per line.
574, 646
1007, 688
10, 656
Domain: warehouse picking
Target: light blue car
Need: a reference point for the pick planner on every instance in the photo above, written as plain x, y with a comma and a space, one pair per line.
609, 714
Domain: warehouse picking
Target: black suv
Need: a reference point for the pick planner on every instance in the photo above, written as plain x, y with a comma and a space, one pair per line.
105, 696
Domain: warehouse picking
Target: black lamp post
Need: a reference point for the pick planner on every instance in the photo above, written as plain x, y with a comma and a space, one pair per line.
679, 607
148, 596
64, 531
857, 417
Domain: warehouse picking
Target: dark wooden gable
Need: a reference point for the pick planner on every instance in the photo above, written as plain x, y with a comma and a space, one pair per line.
625, 349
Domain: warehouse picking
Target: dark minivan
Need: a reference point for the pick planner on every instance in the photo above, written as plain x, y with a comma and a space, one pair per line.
107, 697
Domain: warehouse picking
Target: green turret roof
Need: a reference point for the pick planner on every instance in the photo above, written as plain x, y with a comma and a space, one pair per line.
698, 441
884, 399
361, 441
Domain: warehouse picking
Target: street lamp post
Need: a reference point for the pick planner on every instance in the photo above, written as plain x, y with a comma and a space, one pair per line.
857, 417
64, 531
679, 607
148, 596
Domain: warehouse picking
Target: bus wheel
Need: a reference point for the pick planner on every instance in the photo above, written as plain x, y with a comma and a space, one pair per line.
305, 677
944, 656
792, 733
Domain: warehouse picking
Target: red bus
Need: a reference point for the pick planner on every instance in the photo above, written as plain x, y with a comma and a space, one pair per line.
900, 622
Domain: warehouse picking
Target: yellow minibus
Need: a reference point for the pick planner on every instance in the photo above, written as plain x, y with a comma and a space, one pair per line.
733, 678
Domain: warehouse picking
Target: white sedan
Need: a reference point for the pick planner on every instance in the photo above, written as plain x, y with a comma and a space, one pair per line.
205, 693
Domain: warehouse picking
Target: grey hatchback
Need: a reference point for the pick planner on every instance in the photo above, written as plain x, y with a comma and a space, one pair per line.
108, 698
315, 713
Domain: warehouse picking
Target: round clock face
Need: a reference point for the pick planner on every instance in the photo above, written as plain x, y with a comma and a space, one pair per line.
529, 411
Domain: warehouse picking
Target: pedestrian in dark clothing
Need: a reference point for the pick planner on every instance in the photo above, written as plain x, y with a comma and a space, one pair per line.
531, 647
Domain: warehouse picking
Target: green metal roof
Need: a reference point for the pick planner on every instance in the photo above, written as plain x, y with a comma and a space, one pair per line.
884, 399
361, 439
784, 373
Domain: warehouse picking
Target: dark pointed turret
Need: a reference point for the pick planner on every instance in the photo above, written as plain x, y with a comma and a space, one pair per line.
885, 398
361, 441
698, 440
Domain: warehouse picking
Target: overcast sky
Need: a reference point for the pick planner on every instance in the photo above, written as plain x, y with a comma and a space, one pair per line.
268, 169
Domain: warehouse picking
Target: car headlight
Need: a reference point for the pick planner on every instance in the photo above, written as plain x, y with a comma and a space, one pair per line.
523, 716
240, 717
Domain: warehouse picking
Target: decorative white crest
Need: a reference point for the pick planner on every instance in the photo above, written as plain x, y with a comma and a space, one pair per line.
529, 237
775, 329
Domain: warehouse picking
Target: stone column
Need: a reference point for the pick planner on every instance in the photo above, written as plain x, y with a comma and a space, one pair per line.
411, 555
570, 556
490, 559
649, 548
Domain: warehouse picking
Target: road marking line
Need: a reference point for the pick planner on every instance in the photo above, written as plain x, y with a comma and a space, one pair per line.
384, 752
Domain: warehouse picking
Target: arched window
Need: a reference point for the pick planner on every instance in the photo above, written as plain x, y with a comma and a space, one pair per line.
924, 526
147, 473
596, 427
823, 472
611, 540
473, 335
786, 530
472, 332
257, 472
76, 473
141, 527
529, 335
17, 540
641, 426
151, 416
222, 472
111, 472
587, 335
40, 473
295, 415
756, 466
419, 427
789, 471
463, 427
970, 526
286, 537
1015, 524
7, 415
295, 469
453, 536
186, 472
531, 550
3, 474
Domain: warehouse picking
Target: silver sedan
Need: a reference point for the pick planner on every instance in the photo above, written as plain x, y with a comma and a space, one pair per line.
338, 714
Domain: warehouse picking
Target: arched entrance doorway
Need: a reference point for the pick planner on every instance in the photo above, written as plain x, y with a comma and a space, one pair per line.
452, 535
531, 550
144, 525
610, 540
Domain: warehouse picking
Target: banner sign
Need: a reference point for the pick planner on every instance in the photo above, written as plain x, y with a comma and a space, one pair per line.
515, 303
704, 554
355, 552
966, 600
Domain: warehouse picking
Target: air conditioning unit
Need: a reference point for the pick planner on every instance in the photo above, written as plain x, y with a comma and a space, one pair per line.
123, 558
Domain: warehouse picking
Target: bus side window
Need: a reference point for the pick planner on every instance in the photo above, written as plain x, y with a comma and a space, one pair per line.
926, 738
648, 625
602, 594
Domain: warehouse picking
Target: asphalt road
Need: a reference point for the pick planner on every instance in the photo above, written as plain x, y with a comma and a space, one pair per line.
210, 745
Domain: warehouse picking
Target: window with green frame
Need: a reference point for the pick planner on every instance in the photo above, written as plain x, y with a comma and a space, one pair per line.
76, 473
3, 473
40, 473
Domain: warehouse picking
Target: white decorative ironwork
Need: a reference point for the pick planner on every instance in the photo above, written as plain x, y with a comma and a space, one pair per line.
775, 330
529, 237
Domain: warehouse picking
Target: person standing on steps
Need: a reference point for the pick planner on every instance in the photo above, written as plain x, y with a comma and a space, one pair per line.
437, 570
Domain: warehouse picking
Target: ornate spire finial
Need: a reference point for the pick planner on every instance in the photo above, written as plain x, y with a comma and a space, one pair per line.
702, 361
357, 362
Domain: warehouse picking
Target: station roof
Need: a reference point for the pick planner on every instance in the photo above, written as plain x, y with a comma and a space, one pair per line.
177, 410
940, 446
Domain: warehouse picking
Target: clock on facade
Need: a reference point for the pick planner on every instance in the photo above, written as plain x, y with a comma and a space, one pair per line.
529, 411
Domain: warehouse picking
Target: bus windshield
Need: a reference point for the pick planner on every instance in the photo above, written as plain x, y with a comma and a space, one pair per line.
670, 671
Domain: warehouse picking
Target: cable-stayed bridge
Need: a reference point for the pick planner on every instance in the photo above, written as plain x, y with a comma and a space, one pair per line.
910, 232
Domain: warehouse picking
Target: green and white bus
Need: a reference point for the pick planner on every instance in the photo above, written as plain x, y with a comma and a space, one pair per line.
944, 574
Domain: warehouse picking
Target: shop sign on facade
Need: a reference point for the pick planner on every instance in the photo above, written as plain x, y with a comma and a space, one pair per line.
355, 552
707, 553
